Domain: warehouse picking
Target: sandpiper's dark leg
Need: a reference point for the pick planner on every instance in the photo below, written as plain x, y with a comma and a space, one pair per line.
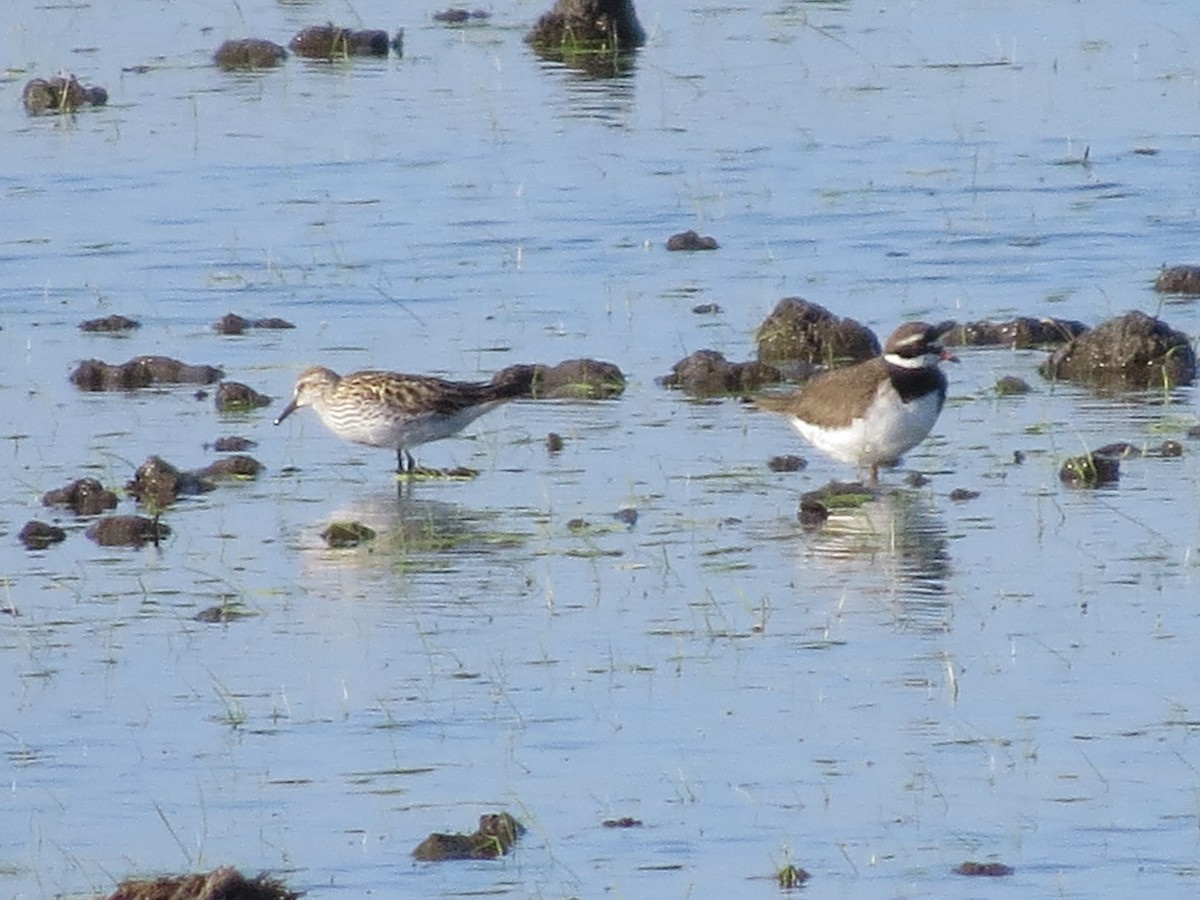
404, 462
874, 473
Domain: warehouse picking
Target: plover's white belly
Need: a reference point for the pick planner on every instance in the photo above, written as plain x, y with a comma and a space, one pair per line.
888, 430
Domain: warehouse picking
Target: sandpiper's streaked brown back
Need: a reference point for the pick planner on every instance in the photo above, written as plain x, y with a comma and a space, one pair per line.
392, 409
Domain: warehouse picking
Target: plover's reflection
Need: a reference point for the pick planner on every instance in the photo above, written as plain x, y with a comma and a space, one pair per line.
899, 539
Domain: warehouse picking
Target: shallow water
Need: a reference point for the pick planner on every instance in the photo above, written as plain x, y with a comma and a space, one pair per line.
921, 683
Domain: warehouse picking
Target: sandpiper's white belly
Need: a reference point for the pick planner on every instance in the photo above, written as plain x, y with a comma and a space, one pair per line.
888, 430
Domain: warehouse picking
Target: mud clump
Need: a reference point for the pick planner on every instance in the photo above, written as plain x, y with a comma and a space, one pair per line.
128, 531
578, 379
220, 884
791, 877
1178, 280
157, 484
1132, 352
1011, 386
984, 870
37, 535
787, 463
246, 54
1020, 333
457, 15
596, 37
84, 497
346, 534
816, 506
1090, 470
232, 323
495, 836
690, 240
707, 373
233, 444
331, 42
60, 95
236, 468
800, 331
233, 396
140, 372
110, 324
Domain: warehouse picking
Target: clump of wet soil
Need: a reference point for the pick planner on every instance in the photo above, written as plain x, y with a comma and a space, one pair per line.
800, 331
816, 506
220, 884
331, 42
579, 379
495, 836
707, 373
233, 444
791, 877
60, 94
238, 467
690, 240
128, 531
248, 53
232, 323
1131, 352
233, 396
1011, 386
84, 497
1020, 333
457, 15
984, 870
140, 372
37, 535
1090, 470
346, 534
157, 484
1178, 280
110, 324
587, 25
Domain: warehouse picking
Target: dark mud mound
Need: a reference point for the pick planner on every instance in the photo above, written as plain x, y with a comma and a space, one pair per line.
595, 37
37, 535
232, 323
84, 497
141, 372
707, 373
113, 324
331, 42
219, 884
1132, 352
346, 534
578, 379
233, 396
1020, 333
800, 331
1178, 280
61, 94
495, 836
690, 240
157, 484
458, 15
128, 531
232, 468
247, 54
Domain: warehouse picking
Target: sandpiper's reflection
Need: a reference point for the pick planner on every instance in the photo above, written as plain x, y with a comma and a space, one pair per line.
897, 539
